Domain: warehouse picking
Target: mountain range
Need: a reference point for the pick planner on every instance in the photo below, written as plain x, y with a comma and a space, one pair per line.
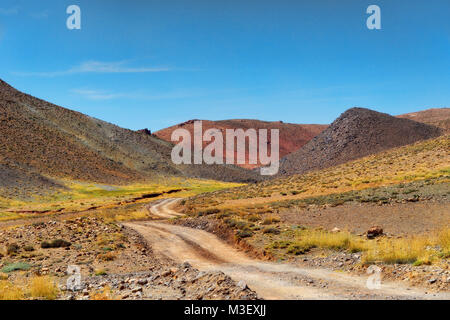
42, 145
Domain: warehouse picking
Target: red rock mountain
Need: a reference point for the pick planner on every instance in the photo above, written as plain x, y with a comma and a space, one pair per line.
292, 136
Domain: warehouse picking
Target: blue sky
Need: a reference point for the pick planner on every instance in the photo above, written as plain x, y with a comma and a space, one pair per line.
156, 63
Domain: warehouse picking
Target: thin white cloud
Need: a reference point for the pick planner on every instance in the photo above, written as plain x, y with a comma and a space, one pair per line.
105, 95
96, 67
40, 15
97, 95
9, 11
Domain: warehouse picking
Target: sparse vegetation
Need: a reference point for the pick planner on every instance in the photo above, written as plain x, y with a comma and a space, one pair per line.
270, 219
104, 294
57, 243
9, 291
271, 231
100, 272
12, 248
28, 248
426, 161
43, 287
118, 203
244, 234
16, 266
108, 256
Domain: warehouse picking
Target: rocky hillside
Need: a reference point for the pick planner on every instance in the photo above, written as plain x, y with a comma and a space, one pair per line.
439, 117
292, 136
41, 143
358, 132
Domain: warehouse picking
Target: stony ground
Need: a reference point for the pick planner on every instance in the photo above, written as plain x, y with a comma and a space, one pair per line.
397, 219
432, 278
115, 263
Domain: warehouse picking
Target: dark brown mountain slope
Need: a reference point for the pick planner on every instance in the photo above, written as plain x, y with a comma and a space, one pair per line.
41, 140
292, 136
358, 132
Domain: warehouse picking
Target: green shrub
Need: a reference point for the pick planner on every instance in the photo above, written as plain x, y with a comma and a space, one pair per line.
16, 266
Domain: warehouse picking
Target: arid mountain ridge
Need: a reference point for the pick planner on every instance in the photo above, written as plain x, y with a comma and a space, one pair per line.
292, 136
295, 136
41, 143
356, 133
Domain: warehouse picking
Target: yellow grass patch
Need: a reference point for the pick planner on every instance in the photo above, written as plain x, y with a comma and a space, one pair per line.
9, 291
43, 287
84, 196
398, 250
322, 239
419, 249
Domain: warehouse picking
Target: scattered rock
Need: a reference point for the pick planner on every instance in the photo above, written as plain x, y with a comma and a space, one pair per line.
374, 232
242, 285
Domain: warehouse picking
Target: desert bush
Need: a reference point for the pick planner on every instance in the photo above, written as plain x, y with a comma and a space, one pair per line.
270, 219
238, 224
280, 244
16, 266
12, 249
231, 222
298, 249
28, 248
43, 287
108, 256
253, 218
223, 215
100, 272
208, 212
244, 234
57, 243
271, 231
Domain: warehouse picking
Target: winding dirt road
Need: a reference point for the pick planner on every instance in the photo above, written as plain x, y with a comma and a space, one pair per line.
270, 280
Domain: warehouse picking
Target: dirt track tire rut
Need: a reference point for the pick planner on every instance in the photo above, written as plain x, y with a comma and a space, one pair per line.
270, 280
